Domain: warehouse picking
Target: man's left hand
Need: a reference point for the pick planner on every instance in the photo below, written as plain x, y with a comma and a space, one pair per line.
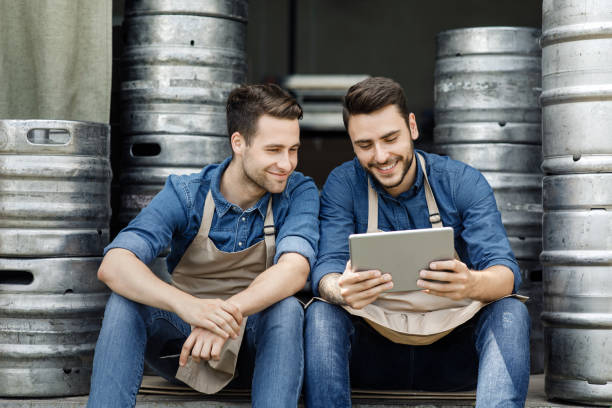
457, 281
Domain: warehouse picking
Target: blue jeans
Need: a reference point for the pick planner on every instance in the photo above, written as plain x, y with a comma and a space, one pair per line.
490, 352
271, 357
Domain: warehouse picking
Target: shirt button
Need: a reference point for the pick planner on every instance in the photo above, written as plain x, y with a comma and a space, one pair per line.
240, 243
243, 219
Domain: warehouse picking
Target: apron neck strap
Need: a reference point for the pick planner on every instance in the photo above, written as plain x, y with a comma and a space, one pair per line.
432, 206
268, 229
269, 234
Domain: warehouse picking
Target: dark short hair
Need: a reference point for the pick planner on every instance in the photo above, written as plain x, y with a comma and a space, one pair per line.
373, 94
247, 103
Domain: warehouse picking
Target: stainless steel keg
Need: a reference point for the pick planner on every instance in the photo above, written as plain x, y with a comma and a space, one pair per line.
55, 188
50, 315
576, 86
577, 261
180, 61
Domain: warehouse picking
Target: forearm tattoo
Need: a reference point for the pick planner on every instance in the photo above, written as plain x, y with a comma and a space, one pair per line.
329, 289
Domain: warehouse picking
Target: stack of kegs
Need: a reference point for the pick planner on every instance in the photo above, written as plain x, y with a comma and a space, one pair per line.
181, 59
487, 114
321, 99
54, 223
577, 149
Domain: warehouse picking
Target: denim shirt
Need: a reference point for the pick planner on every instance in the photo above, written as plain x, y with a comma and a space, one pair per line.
174, 216
464, 198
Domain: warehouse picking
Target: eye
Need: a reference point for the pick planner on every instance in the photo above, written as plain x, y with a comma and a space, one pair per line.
391, 139
364, 146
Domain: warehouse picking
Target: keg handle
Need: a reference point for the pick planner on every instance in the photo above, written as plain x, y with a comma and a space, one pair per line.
49, 136
16, 277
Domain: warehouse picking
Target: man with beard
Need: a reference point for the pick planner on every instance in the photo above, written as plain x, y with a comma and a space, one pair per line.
243, 235
463, 329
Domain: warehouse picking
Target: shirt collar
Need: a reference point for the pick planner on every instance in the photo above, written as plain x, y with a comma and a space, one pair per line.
411, 192
222, 206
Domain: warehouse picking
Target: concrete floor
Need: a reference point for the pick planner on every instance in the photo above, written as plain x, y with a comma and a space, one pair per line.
535, 399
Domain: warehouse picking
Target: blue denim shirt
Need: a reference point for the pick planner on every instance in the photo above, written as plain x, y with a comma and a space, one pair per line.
174, 216
464, 198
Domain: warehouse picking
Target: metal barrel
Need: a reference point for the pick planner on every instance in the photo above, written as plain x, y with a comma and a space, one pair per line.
577, 265
487, 74
576, 86
150, 159
55, 182
180, 61
487, 114
50, 315
487, 84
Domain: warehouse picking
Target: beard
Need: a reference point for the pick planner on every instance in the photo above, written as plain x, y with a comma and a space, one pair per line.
401, 161
258, 179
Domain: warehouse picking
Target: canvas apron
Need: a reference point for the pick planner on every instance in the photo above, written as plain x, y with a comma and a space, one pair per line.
206, 272
414, 317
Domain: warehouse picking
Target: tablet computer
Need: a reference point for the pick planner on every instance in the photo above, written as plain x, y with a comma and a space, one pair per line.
401, 253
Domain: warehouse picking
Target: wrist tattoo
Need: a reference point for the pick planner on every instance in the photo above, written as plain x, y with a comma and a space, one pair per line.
329, 289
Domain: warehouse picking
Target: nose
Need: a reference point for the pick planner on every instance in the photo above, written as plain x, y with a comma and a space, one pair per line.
381, 155
284, 162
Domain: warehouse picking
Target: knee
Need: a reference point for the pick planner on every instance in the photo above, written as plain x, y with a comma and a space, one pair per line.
119, 309
324, 320
511, 314
286, 315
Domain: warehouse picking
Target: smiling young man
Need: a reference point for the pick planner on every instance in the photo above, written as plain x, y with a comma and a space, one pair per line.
452, 335
243, 235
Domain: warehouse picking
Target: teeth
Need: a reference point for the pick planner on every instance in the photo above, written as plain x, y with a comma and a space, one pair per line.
387, 167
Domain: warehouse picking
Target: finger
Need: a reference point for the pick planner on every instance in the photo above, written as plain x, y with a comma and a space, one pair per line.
186, 349
233, 310
439, 276
197, 349
230, 321
450, 265
215, 352
370, 293
441, 287
364, 285
352, 278
219, 319
206, 346
210, 325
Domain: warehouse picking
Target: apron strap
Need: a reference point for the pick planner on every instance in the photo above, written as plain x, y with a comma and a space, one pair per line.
207, 216
372, 208
268, 229
432, 207
269, 234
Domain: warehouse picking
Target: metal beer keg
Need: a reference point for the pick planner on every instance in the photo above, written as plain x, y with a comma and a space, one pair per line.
55, 182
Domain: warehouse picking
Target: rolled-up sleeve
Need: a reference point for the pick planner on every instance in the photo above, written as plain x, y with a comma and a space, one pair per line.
151, 231
336, 224
300, 230
483, 232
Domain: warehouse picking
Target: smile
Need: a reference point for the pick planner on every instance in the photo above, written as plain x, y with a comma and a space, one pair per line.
386, 169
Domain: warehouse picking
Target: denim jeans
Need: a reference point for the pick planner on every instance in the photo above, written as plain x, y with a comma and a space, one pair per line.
271, 357
490, 352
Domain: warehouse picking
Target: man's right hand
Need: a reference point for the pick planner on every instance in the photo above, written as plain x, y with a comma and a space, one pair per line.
218, 316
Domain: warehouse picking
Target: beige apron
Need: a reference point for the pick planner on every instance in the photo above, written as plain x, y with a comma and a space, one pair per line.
206, 272
414, 317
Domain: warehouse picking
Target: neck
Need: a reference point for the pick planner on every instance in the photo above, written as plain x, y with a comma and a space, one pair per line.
237, 188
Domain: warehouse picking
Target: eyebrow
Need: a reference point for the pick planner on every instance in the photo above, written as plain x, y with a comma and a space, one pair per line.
390, 133
278, 145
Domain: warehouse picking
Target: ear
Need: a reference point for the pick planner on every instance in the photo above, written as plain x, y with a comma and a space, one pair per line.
412, 125
238, 143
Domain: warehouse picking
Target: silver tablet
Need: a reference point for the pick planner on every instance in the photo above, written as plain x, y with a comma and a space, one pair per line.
401, 253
